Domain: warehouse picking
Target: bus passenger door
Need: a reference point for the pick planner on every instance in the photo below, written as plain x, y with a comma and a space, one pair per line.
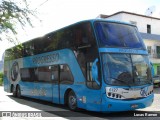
55, 77
93, 92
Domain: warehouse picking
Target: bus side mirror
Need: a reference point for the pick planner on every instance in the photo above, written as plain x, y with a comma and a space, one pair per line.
95, 71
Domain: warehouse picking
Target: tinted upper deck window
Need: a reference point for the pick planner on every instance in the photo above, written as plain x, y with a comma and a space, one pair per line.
118, 35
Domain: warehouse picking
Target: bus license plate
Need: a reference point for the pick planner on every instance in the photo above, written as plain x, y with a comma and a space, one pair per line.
134, 106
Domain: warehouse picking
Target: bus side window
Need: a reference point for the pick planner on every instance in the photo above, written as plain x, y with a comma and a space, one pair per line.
44, 74
28, 49
86, 51
66, 76
28, 74
54, 73
65, 38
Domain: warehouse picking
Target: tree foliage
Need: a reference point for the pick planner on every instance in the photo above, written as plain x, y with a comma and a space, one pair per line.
13, 13
1, 78
1, 75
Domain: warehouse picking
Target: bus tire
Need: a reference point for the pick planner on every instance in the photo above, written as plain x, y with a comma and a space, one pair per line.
72, 101
11, 90
18, 91
14, 93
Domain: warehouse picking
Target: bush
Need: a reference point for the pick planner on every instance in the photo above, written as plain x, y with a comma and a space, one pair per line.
1, 78
1, 81
1, 75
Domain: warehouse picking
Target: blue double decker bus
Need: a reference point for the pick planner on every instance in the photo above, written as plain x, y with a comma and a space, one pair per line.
97, 65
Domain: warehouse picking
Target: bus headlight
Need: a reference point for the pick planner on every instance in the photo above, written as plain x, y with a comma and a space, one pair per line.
114, 95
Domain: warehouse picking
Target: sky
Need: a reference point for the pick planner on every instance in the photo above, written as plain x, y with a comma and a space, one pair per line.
55, 14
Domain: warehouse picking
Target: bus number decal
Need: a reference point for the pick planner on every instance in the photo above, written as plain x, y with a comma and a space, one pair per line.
113, 89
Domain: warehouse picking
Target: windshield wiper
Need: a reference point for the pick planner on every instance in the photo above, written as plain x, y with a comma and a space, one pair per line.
121, 81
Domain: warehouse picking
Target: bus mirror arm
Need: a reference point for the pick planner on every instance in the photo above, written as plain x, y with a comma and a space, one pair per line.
95, 71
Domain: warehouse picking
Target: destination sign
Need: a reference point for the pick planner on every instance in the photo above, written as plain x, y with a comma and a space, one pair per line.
128, 51
122, 50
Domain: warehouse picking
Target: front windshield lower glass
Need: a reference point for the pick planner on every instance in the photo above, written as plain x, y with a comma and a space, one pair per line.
126, 69
118, 35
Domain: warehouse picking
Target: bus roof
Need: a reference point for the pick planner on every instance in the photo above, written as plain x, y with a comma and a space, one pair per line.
92, 21
96, 20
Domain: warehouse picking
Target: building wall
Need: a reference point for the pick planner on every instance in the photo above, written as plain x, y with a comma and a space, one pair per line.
117, 17
153, 44
141, 22
156, 68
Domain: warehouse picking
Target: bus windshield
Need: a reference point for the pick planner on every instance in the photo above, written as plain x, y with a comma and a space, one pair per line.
126, 69
118, 35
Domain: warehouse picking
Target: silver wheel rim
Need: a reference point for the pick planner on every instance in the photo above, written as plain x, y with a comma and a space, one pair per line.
72, 102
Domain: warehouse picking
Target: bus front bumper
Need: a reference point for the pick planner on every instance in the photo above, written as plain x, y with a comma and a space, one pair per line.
113, 105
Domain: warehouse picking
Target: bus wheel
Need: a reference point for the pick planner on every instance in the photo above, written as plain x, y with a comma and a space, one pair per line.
14, 94
13, 91
72, 101
18, 91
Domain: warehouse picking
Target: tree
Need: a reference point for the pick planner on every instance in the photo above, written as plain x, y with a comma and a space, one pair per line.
1, 78
11, 14
1, 75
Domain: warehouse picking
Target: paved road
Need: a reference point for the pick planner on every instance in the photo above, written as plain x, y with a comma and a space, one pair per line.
21, 106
